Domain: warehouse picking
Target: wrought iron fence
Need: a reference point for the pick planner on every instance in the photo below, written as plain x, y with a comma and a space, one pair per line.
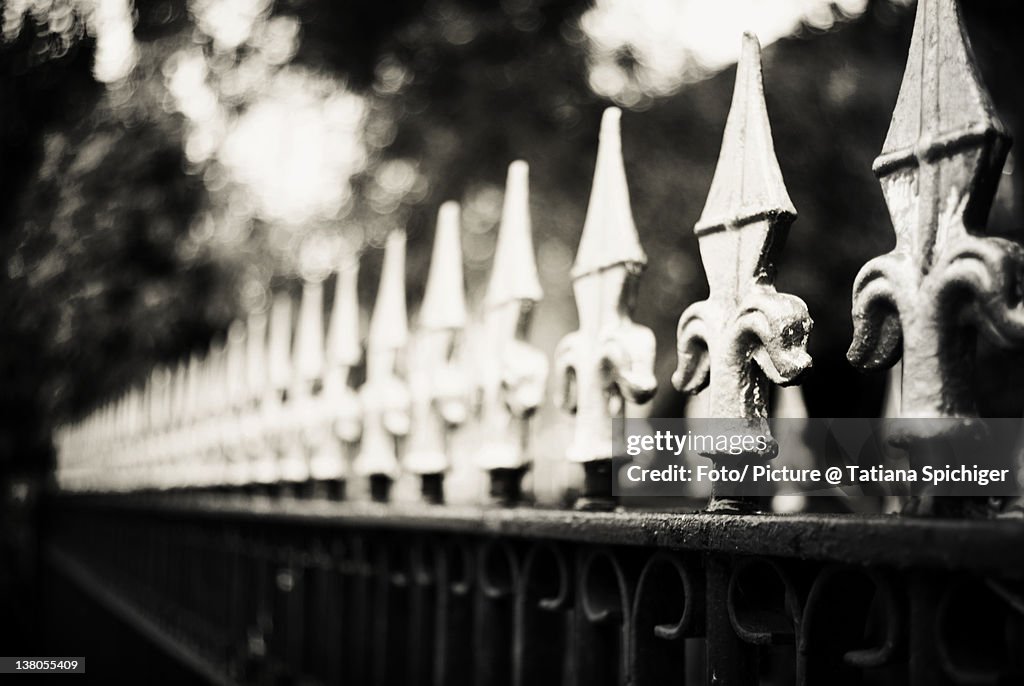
176, 502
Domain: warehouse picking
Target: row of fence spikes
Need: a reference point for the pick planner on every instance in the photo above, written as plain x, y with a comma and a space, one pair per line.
264, 407
938, 168
607, 363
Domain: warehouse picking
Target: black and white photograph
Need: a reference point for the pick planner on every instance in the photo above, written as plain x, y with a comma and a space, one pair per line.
511, 342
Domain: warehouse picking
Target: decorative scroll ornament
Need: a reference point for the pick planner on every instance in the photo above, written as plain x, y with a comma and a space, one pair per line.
340, 414
512, 389
437, 379
385, 396
943, 282
610, 359
746, 333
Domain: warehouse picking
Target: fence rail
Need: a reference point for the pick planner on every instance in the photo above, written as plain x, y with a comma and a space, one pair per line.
341, 588
317, 592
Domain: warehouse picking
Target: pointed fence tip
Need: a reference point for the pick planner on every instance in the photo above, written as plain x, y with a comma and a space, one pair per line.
609, 233
279, 341
389, 327
748, 184
343, 349
942, 103
309, 338
514, 273
611, 120
444, 301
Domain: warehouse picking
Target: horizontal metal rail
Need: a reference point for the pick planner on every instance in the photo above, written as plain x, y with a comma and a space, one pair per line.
988, 545
293, 591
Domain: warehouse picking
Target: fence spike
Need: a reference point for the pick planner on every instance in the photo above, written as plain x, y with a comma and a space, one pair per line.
279, 343
302, 430
385, 396
444, 299
437, 381
259, 452
514, 274
343, 347
609, 233
747, 186
609, 359
744, 319
235, 392
938, 170
274, 413
309, 336
341, 415
513, 388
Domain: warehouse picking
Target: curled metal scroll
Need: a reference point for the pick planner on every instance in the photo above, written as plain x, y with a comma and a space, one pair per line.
668, 607
542, 629
854, 620
765, 605
455, 565
605, 598
498, 577
978, 632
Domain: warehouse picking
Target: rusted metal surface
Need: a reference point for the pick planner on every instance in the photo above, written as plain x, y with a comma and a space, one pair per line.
926, 301
745, 334
609, 359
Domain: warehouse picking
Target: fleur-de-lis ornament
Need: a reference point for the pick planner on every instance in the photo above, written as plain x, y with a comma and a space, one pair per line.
385, 395
746, 333
927, 299
609, 359
437, 380
339, 415
513, 388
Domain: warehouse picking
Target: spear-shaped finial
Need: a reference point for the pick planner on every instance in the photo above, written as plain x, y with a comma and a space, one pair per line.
609, 234
308, 360
444, 300
609, 359
938, 169
514, 274
747, 186
437, 382
384, 396
307, 373
340, 410
237, 471
942, 105
389, 325
274, 417
279, 361
745, 334
513, 388
343, 346
254, 437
